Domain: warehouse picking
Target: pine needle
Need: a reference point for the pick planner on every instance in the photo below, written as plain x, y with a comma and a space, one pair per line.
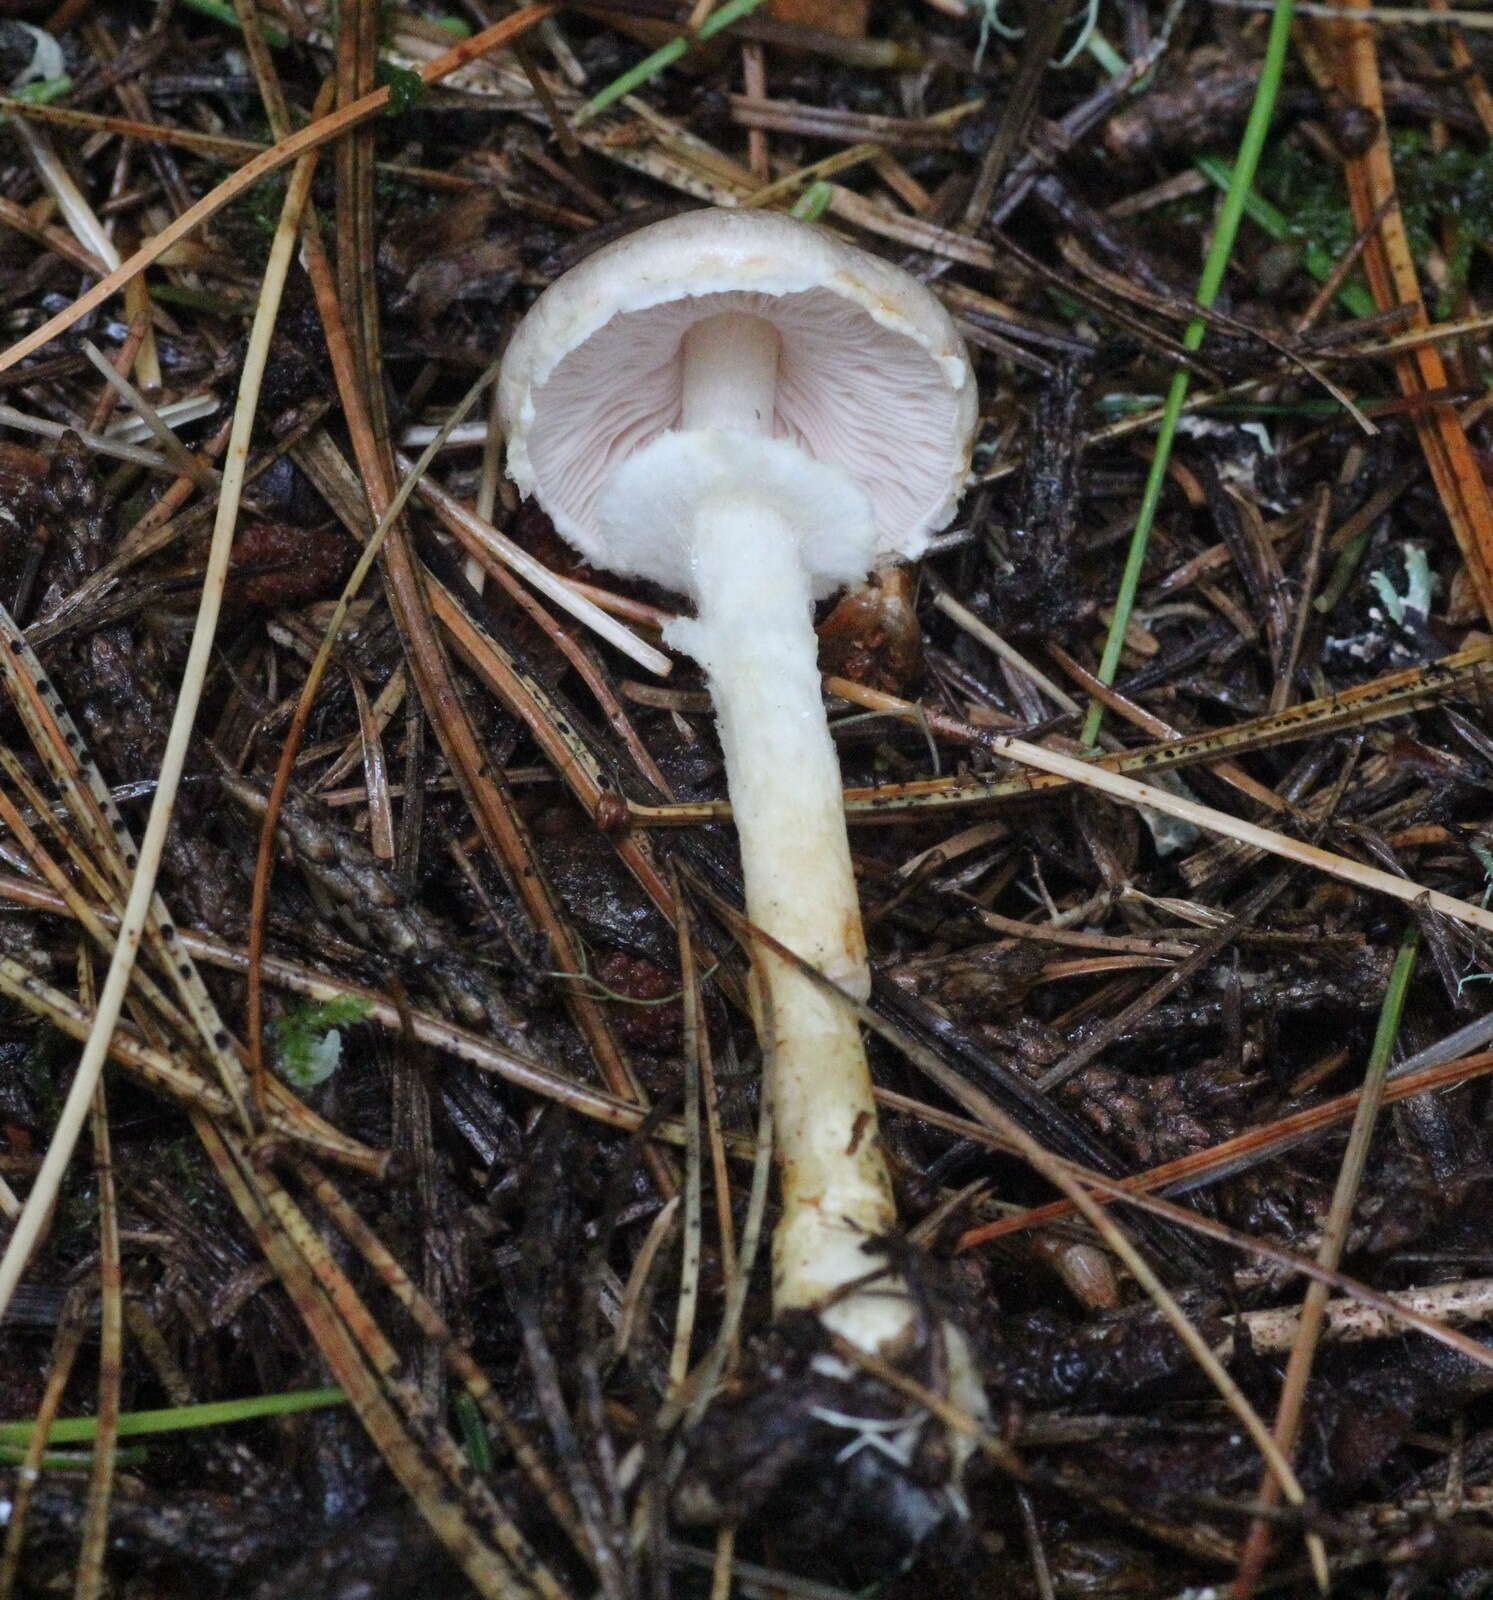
142, 889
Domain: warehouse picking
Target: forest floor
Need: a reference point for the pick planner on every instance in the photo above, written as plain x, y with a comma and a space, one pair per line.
413, 1240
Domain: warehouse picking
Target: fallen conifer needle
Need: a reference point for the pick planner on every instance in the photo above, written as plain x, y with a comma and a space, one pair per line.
1220, 822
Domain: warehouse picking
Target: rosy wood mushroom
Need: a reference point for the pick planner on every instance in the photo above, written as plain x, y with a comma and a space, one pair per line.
743, 409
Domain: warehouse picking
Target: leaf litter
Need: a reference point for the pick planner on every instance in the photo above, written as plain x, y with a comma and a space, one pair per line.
519, 1224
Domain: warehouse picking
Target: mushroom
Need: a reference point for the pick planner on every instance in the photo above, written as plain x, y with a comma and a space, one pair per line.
745, 410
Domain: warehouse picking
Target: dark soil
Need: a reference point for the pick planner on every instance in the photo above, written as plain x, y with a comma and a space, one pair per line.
494, 825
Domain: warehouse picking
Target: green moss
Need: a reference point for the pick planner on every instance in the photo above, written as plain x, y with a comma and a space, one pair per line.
45, 1070
1455, 183
307, 1039
406, 88
192, 1181
260, 206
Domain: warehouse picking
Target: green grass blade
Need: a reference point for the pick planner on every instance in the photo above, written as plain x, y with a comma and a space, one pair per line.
665, 56
220, 11
40, 94
177, 1419
135, 1455
1388, 1027
1353, 297
813, 202
1231, 213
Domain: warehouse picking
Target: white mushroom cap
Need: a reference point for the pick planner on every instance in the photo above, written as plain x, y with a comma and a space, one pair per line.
873, 379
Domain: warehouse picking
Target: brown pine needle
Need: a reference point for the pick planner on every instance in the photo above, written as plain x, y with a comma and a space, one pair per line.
322, 130
90, 1579
1390, 265
1097, 775
138, 905
1223, 1159
67, 1344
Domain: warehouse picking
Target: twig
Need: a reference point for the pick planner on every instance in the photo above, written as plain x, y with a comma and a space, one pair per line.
100, 443
1349, 1322
1384, 16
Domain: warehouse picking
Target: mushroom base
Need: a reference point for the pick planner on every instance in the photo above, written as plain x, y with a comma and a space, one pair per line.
852, 1478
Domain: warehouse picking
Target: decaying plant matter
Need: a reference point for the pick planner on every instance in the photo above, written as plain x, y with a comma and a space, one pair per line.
387, 1188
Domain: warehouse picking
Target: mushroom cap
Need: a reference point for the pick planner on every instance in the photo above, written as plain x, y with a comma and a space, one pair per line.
873, 377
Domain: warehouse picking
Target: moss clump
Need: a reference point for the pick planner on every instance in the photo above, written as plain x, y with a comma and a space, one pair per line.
308, 1039
1454, 183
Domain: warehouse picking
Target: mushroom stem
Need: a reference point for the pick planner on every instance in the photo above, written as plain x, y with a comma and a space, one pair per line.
730, 374
753, 633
